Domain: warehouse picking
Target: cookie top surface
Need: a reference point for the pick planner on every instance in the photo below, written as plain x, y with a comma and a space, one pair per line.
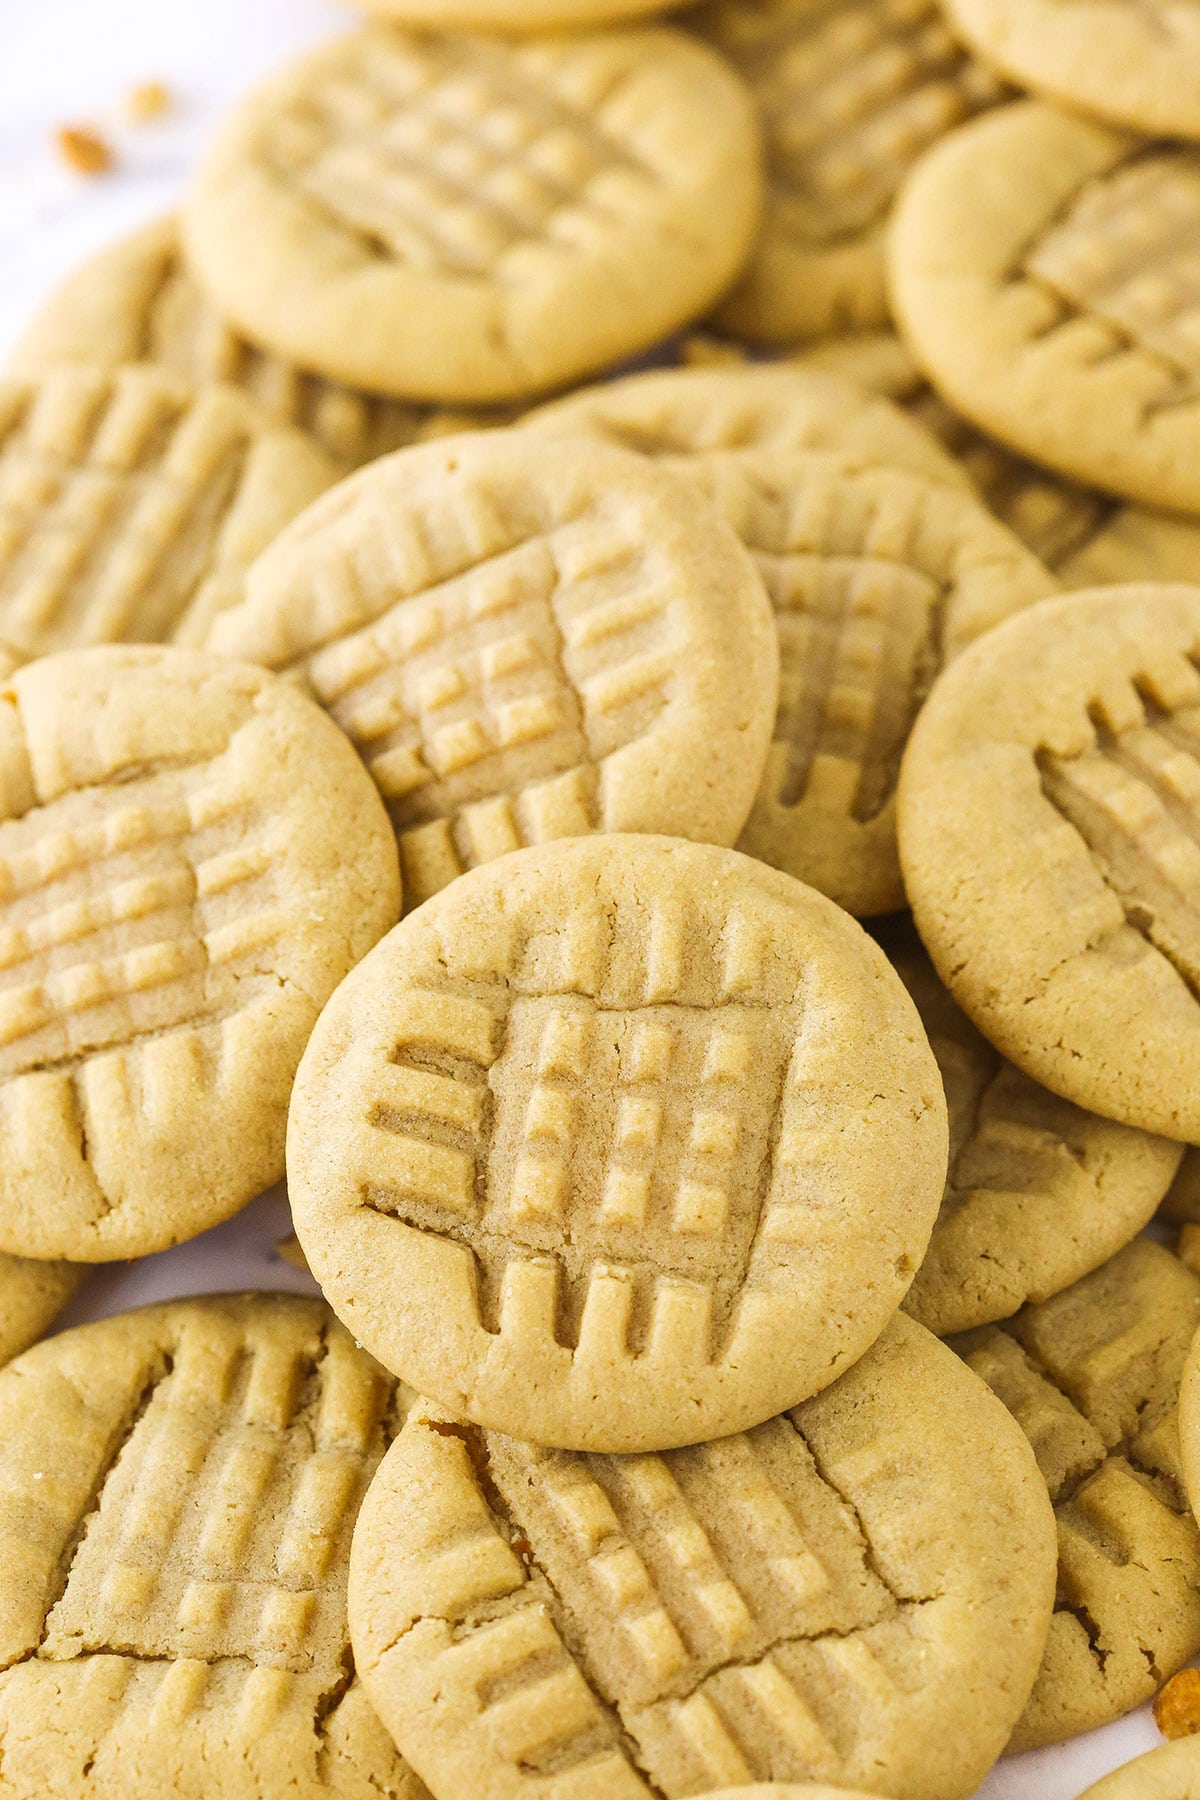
132, 503
177, 1492
1081, 535
1189, 1422
525, 640
651, 1130
1172, 1772
1039, 1192
1040, 268
138, 302
850, 97
856, 1590
1133, 62
191, 858
689, 412
470, 219
32, 1294
1049, 806
877, 578
1092, 1376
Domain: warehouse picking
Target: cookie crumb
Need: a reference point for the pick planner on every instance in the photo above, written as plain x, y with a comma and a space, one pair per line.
1177, 1705
148, 100
288, 1250
83, 149
1188, 1248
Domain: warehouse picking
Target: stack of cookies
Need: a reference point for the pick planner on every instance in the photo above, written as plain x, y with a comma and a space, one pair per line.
692, 870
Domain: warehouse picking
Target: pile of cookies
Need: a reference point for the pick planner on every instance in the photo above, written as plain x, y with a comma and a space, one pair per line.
694, 873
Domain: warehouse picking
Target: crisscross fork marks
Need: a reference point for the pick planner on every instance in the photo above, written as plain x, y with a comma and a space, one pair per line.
113, 493
484, 706
1125, 255
852, 96
449, 154
859, 647
1135, 801
222, 1527
118, 907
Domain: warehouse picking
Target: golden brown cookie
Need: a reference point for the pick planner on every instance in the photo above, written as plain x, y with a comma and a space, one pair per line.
191, 858
177, 1491
133, 503
1092, 1376
651, 1131
690, 412
1039, 1191
1041, 271
32, 1294
1049, 812
1134, 62
138, 302
877, 578
855, 1591
850, 97
517, 16
469, 219
1172, 1772
525, 640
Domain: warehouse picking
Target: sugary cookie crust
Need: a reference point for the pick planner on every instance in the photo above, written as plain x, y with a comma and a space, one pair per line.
648, 1129
468, 219
524, 640
191, 858
856, 1590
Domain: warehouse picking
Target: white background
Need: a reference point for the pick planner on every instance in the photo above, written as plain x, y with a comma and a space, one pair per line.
73, 61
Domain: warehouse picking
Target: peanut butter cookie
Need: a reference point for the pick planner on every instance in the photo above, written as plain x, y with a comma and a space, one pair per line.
191, 858
855, 1591
525, 640
32, 1294
1049, 812
1172, 1772
1092, 1376
177, 1491
469, 219
651, 1131
1042, 269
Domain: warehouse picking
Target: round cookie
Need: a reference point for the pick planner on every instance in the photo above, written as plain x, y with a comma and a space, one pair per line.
855, 1591
137, 302
876, 577
32, 1294
518, 16
1049, 807
1136, 65
1039, 1192
191, 858
1040, 270
468, 219
524, 640
177, 1491
134, 503
1172, 1772
690, 412
1083, 537
1093, 1376
651, 1131
850, 97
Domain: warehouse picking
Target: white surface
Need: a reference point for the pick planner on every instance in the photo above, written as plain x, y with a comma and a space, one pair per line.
73, 61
